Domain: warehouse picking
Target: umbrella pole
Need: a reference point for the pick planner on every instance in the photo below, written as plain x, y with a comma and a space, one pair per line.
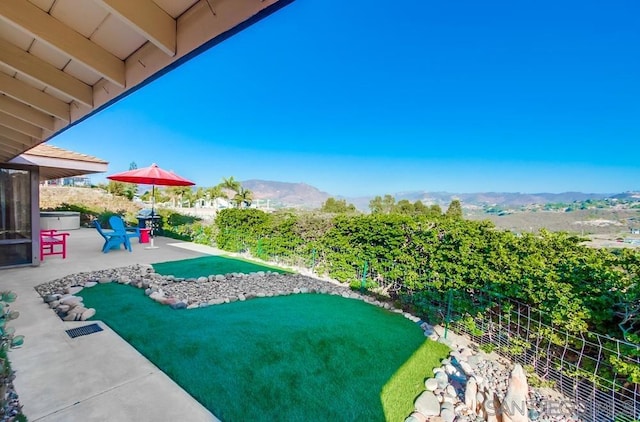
153, 201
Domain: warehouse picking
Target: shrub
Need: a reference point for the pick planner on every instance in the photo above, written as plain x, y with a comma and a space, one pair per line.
8, 340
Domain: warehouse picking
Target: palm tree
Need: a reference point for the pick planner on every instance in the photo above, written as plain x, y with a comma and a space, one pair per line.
231, 188
215, 192
230, 184
176, 193
243, 197
199, 196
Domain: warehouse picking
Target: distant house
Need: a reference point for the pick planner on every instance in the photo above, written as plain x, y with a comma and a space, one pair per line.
634, 230
217, 203
77, 181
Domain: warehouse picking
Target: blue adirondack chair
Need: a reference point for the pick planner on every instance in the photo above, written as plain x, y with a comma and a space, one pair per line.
117, 224
112, 238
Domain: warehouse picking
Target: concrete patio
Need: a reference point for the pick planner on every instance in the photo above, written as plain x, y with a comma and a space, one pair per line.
98, 377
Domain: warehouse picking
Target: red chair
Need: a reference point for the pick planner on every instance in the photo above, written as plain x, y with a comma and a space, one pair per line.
53, 243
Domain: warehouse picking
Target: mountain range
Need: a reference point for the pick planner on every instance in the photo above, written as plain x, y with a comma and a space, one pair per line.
302, 195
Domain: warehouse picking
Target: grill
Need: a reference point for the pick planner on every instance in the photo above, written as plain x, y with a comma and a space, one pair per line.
83, 331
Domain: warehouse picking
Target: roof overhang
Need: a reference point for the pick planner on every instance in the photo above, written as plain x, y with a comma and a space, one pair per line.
63, 60
56, 163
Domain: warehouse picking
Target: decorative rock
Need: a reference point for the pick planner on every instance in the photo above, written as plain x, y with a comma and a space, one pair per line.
442, 379
514, 404
202, 279
461, 409
492, 408
427, 404
71, 300
474, 360
104, 280
449, 399
470, 395
431, 384
51, 298
178, 305
466, 368
449, 369
447, 414
465, 352
416, 417
450, 391
85, 315
157, 296
90, 284
74, 290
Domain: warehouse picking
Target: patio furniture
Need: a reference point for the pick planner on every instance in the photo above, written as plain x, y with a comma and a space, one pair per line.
118, 225
53, 242
112, 238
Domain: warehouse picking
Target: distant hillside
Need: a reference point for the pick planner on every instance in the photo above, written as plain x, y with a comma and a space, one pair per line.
499, 198
55, 196
298, 195
302, 195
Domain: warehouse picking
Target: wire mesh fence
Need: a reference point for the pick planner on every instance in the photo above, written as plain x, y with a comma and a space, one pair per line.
580, 366
587, 368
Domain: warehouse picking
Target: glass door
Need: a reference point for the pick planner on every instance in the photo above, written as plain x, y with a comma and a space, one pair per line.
15, 217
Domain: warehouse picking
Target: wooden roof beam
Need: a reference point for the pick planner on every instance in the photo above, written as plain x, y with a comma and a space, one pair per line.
20, 139
28, 114
43, 72
147, 19
44, 27
12, 147
24, 92
20, 125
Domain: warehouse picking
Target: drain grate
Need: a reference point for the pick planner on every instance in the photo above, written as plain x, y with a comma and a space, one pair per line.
83, 331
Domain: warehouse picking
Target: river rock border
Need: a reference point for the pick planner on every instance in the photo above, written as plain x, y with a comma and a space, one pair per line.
469, 386
189, 293
473, 386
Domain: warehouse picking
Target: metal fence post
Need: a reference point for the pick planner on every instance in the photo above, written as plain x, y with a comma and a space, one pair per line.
363, 283
447, 318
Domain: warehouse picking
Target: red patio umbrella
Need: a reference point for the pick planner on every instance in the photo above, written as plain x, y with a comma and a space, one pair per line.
152, 175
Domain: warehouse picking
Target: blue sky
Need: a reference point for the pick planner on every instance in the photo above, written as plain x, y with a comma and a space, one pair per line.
365, 98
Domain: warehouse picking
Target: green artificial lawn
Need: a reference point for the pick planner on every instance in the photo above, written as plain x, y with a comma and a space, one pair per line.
208, 265
288, 358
